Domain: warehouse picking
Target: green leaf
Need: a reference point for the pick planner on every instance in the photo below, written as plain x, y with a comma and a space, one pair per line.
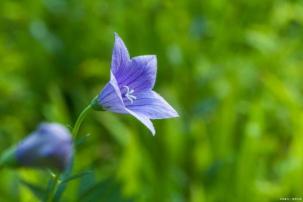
105, 190
39, 192
8, 158
76, 176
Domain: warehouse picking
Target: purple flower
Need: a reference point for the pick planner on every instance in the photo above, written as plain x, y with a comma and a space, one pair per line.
50, 146
129, 90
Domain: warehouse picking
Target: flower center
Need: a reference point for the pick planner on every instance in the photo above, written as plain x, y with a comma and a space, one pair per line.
129, 95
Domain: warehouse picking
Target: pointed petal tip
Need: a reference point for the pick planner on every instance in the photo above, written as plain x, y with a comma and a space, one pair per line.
120, 55
143, 119
150, 57
175, 115
153, 131
172, 112
117, 36
154, 59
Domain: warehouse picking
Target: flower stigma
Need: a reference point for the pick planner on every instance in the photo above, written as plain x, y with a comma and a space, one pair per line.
129, 95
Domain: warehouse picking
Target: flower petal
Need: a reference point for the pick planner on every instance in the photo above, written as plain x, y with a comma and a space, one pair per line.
143, 119
110, 97
120, 56
140, 73
152, 105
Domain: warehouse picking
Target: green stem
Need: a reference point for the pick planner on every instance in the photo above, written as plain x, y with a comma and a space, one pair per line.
80, 120
53, 188
75, 131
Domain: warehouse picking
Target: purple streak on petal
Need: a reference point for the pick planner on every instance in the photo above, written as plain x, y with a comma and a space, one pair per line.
130, 87
110, 98
143, 119
141, 74
107, 94
120, 56
152, 105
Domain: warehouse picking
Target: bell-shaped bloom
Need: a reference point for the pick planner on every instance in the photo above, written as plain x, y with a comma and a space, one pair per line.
130, 89
50, 146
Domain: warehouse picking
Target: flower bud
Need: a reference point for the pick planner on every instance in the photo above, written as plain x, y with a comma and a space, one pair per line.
50, 146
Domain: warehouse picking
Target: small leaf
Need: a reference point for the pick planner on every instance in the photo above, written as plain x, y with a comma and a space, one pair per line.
76, 176
82, 140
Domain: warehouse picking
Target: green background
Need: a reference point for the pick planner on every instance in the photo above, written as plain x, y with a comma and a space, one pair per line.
232, 69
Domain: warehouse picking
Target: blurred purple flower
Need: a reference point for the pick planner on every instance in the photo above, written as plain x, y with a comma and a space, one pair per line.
50, 146
129, 90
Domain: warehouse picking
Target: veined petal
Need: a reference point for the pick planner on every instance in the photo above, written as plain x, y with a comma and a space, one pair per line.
143, 119
110, 97
139, 74
152, 105
120, 56
130, 88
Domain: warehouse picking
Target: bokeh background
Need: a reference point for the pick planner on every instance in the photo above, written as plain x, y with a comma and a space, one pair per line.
232, 69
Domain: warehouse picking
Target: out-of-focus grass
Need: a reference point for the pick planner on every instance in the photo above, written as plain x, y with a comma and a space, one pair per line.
233, 70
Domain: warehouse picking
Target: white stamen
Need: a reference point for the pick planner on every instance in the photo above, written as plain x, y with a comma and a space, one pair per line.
129, 95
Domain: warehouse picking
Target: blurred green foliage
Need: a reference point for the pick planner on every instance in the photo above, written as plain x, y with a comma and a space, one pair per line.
232, 69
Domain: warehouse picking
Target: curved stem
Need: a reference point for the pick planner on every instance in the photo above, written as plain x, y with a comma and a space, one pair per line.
80, 120
56, 177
